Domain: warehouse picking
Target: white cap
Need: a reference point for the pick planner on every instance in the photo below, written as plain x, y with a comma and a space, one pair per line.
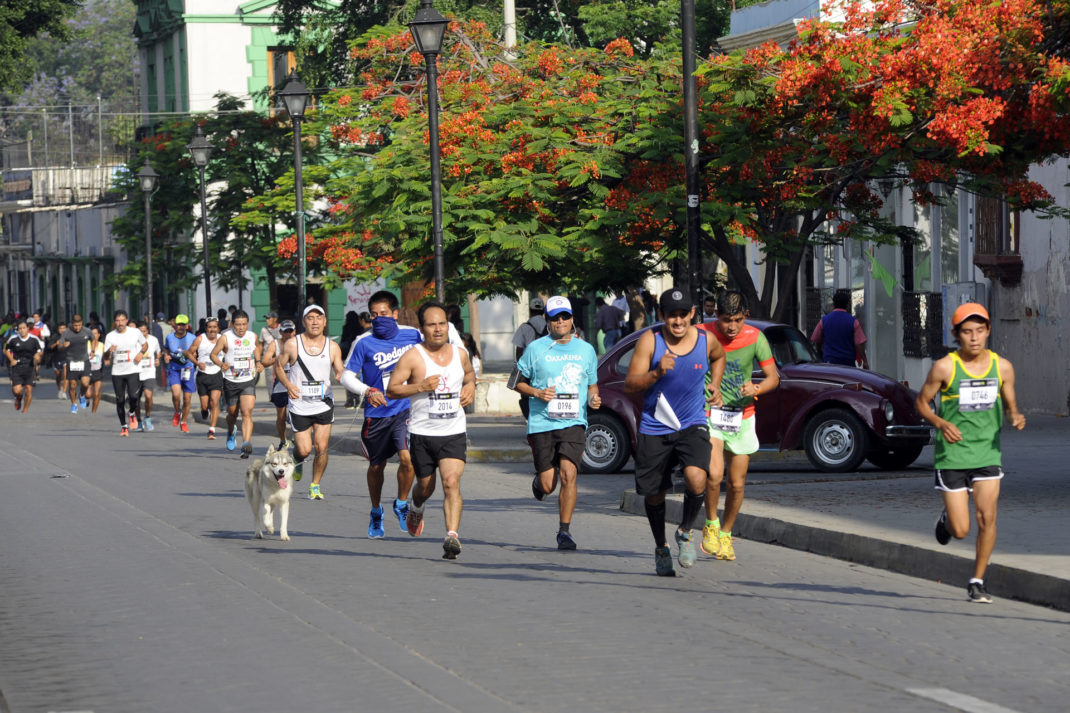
312, 308
557, 304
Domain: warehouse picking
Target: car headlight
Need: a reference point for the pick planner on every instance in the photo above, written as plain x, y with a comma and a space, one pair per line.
889, 412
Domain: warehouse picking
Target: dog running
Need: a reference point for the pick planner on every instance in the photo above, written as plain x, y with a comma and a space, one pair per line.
268, 486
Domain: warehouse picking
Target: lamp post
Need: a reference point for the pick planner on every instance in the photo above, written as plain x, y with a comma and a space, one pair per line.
428, 27
147, 177
691, 174
295, 97
200, 149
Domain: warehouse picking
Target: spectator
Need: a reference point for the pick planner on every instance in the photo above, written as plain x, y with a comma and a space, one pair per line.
524, 335
607, 320
221, 314
839, 336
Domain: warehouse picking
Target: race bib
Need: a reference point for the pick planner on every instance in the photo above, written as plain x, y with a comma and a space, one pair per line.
444, 404
978, 394
76, 366
727, 418
312, 389
95, 361
564, 406
187, 373
122, 356
241, 364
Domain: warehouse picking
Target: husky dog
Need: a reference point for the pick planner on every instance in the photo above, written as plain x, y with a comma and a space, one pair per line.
268, 485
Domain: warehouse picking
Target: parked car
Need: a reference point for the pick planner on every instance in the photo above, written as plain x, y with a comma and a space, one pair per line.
838, 415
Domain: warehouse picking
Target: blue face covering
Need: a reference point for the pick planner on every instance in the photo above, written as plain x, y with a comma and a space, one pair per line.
384, 327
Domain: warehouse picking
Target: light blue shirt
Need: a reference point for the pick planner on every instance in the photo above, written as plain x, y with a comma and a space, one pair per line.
570, 369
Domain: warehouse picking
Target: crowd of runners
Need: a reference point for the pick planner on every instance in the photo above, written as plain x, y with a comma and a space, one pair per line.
695, 382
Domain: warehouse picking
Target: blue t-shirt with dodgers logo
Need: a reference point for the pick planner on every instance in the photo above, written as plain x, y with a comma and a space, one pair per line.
570, 368
373, 360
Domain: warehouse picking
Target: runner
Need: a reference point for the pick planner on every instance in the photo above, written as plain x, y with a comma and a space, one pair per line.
669, 368
237, 353
268, 334
123, 349
732, 426
77, 344
96, 365
209, 376
373, 357
178, 371
279, 397
439, 382
23, 352
147, 369
975, 387
307, 361
554, 371
54, 343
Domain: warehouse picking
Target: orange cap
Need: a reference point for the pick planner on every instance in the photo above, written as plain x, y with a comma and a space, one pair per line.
970, 309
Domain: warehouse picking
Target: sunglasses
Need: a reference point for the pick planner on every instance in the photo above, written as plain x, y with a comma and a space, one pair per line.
560, 317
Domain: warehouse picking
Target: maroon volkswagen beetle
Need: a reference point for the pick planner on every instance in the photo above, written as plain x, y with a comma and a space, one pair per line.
838, 415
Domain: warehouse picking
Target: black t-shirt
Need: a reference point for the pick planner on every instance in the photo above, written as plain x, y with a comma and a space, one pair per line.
79, 348
24, 349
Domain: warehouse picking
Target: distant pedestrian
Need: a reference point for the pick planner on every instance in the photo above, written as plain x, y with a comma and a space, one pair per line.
534, 328
839, 336
124, 348
975, 388
179, 376
607, 320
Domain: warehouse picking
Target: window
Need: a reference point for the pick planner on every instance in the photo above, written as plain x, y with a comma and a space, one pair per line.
996, 244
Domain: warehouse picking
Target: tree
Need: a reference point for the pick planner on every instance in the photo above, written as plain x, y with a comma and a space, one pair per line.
22, 20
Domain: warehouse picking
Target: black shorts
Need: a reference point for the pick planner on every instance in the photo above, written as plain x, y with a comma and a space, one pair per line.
382, 438
656, 456
22, 376
549, 447
207, 383
951, 481
300, 423
96, 375
427, 451
234, 390
73, 375
281, 399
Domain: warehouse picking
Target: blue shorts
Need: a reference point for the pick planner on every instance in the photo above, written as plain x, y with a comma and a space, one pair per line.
382, 438
174, 376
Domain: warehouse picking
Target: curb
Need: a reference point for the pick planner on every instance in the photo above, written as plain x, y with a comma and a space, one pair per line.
1000, 580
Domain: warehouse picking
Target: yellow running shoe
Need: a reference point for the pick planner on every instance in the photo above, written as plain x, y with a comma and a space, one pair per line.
728, 552
711, 540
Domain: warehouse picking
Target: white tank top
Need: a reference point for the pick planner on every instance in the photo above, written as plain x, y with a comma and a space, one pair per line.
239, 354
316, 395
204, 355
439, 412
96, 359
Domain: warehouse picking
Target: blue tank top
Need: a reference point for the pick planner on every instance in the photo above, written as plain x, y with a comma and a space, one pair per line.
838, 338
678, 399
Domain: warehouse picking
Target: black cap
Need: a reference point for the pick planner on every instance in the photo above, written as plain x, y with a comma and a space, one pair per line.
673, 299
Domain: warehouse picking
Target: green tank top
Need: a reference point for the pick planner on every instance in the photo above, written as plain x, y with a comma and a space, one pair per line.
972, 402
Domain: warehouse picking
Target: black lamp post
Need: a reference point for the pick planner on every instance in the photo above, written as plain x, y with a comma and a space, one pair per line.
147, 177
691, 167
428, 27
200, 149
295, 97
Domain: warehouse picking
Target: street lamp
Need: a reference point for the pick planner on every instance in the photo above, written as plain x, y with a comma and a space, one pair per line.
295, 97
691, 167
200, 149
428, 27
147, 177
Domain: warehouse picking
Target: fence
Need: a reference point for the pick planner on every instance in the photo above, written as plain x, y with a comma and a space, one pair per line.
68, 135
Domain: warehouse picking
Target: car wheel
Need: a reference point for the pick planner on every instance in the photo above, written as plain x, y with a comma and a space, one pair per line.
608, 445
894, 458
836, 441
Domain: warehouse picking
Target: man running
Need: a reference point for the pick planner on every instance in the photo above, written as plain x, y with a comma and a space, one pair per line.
124, 349
371, 363
23, 352
975, 388
438, 380
237, 353
281, 400
559, 376
307, 361
209, 376
179, 370
76, 343
147, 369
669, 368
733, 436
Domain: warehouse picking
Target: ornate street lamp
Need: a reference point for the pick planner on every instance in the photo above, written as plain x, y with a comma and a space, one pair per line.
295, 97
200, 148
148, 177
428, 27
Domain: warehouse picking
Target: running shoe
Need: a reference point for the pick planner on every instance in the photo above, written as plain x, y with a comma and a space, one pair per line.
402, 511
685, 541
74, 408
211, 434
375, 524
184, 427
133, 422
711, 540
148, 424
140, 428
299, 470
943, 536
175, 419
246, 449
663, 562
977, 593
314, 492
536, 490
124, 432
451, 546
82, 402
414, 520
232, 442
61, 395
565, 541
728, 552
204, 414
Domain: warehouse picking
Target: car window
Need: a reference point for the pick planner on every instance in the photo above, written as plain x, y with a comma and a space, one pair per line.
790, 346
625, 360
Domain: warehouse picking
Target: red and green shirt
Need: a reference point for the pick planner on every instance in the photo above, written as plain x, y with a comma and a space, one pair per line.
748, 347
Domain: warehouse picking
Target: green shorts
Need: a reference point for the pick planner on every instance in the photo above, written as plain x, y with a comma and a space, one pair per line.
740, 443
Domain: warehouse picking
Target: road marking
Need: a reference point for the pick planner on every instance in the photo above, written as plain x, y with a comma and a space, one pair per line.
959, 700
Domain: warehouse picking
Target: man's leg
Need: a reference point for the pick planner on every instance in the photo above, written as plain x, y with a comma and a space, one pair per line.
85, 386
118, 383
451, 470
733, 498
406, 474
176, 397
280, 424
654, 505
72, 390
321, 437
187, 397
213, 408
302, 444
247, 403
566, 501
957, 505
375, 482
27, 397
148, 403
985, 499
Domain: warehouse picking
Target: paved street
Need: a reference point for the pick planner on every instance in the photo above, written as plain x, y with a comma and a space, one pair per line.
129, 582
